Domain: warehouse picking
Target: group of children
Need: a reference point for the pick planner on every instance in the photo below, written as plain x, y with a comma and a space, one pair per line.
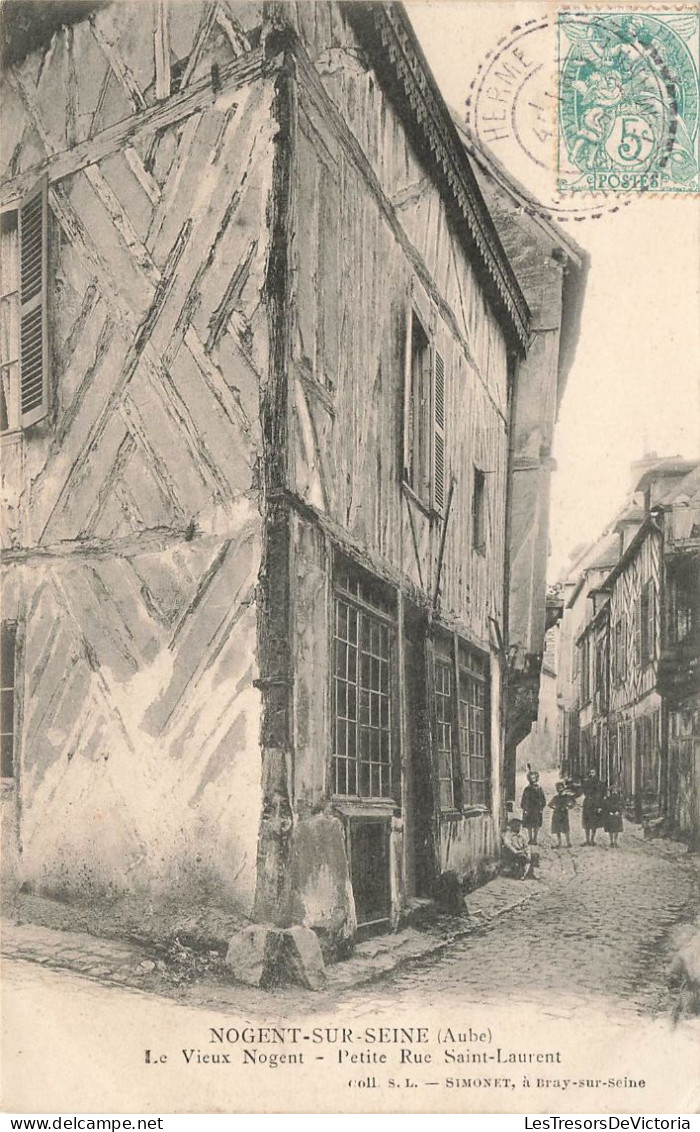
602, 808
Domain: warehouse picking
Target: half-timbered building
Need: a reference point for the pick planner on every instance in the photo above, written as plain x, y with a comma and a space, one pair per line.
260, 350
637, 654
552, 269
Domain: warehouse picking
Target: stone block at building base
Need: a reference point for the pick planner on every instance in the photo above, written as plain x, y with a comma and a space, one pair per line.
302, 959
253, 955
262, 955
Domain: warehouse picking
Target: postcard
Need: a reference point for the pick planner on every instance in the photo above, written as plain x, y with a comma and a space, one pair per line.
349, 419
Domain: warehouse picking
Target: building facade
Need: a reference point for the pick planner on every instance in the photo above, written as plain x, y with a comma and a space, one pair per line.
636, 653
552, 269
261, 348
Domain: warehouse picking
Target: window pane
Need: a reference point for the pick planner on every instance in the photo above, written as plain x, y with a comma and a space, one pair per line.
473, 720
364, 781
351, 701
6, 750
363, 695
341, 781
7, 709
9, 329
446, 795
7, 655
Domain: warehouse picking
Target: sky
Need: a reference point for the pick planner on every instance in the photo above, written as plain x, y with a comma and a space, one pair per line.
635, 383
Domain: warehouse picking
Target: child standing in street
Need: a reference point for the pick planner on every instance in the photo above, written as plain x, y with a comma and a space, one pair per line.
612, 815
592, 811
560, 804
532, 804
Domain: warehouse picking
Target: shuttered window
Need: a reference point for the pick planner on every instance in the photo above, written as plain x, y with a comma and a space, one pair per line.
438, 478
23, 312
619, 656
9, 323
647, 616
33, 265
638, 631
425, 412
417, 414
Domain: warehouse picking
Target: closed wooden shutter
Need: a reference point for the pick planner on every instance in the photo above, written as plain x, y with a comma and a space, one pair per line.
650, 625
638, 632
33, 344
438, 477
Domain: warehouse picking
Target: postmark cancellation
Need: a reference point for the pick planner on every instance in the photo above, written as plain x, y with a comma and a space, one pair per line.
628, 100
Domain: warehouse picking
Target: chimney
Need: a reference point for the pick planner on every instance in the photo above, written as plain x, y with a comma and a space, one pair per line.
639, 467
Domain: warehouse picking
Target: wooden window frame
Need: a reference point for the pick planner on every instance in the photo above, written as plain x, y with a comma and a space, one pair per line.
585, 647
424, 417
478, 702
619, 652
648, 623
601, 683
446, 756
469, 743
352, 592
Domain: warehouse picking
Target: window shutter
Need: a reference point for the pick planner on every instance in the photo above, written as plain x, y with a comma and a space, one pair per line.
651, 617
638, 631
438, 432
33, 345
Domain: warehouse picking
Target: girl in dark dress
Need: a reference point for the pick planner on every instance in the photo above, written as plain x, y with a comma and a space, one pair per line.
560, 804
532, 804
612, 815
593, 794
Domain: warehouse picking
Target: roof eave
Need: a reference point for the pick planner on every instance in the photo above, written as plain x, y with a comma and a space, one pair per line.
387, 35
577, 259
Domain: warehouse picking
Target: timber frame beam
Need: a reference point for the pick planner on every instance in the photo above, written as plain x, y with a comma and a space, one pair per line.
349, 545
253, 65
312, 90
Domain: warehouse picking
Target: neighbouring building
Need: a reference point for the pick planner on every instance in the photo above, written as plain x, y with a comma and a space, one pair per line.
263, 351
552, 270
636, 652
590, 566
539, 750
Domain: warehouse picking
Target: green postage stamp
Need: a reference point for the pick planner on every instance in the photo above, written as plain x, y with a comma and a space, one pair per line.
628, 100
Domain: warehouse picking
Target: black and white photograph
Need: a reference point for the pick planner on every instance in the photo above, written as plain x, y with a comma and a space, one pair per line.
350, 474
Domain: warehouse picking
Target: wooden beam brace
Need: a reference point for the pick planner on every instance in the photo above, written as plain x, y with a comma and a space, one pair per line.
443, 537
237, 74
120, 68
206, 23
342, 539
311, 87
162, 49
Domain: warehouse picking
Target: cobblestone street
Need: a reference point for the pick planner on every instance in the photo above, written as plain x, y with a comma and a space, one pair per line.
599, 927
575, 978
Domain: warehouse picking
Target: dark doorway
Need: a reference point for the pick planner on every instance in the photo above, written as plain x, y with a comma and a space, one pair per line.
369, 870
420, 847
